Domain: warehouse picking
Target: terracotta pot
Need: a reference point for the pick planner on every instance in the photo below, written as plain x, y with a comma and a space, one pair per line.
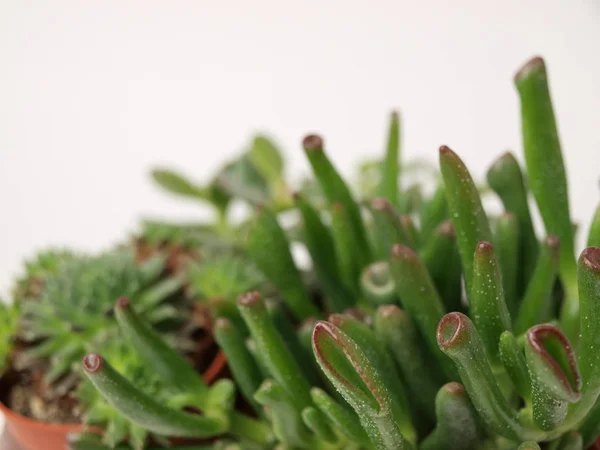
31, 434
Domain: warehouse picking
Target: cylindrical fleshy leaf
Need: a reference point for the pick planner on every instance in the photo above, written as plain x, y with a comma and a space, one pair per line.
243, 367
589, 295
458, 338
433, 212
348, 253
377, 284
345, 421
537, 300
419, 297
280, 362
590, 428
269, 248
389, 177
486, 302
555, 378
287, 421
336, 190
317, 423
569, 441
380, 359
169, 364
513, 360
351, 372
410, 231
142, 409
466, 211
389, 229
321, 248
506, 239
440, 256
506, 179
594, 233
458, 425
547, 177
529, 445
396, 330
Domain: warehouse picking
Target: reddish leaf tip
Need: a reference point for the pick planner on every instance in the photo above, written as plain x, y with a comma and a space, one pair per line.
123, 303
534, 64
222, 322
249, 298
454, 388
553, 241
484, 247
92, 362
537, 335
447, 229
590, 258
336, 319
380, 204
450, 328
388, 311
313, 142
400, 251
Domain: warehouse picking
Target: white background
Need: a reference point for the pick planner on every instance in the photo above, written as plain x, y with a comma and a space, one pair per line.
93, 94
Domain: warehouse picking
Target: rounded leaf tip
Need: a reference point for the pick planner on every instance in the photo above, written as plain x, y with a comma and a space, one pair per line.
92, 362
590, 258
400, 251
454, 388
379, 204
123, 302
450, 328
534, 64
313, 142
249, 298
484, 247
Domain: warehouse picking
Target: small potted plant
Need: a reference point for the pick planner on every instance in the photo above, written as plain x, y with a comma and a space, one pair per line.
62, 309
447, 328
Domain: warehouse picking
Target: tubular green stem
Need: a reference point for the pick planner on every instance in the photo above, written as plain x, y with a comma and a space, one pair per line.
433, 212
457, 421
506, 179
396, 330
440, 256
569, 441
351, 372
590, 428
389, 228
506, 239
321, 248
458, 338
410, 230
536, 302
589, 294
345, 421
513, 360
169, 364
547, 178
336, 190
313, 419
269, 248
419, 297
487, 303
144, 410
389, 181
466, 211
243, 367
279, 360
594, 233
287, 422
345, 247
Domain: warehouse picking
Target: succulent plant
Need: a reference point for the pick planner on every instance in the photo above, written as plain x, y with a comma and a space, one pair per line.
435, 326
8, 326
74, 306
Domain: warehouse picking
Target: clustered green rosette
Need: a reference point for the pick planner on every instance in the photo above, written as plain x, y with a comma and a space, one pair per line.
435, 327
